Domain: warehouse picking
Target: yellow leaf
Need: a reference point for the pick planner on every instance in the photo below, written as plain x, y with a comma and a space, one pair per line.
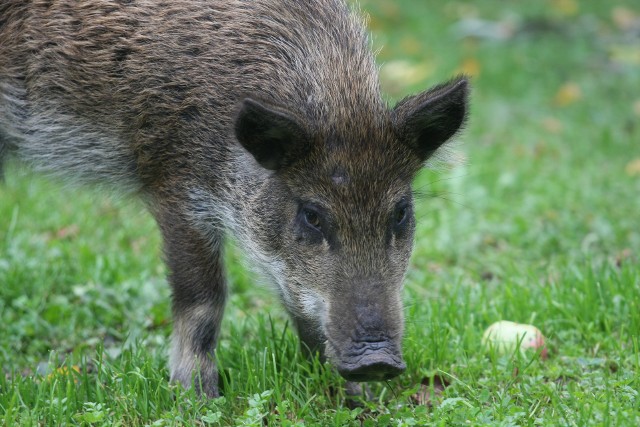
636, 107
63, 371
390, 9
470, 67
552, 125
568, 94
623, 18
625, 54
374, 23
411, 45
565, 7
633, 168
405, 72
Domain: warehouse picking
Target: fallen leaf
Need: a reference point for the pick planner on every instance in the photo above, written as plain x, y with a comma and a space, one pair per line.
625, 54
434, 267
543, 149
552, 125
565, 7
411, 45
390, 9
68, 232
483, 29
405, 72
470, 67
623, 256
592, 363
636, 108
487, 276
374, 24
64, 371
633, 168
623, 18
568, 94
429, 395
562, 380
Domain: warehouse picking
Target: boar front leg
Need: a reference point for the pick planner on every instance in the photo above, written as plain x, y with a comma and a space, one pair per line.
199, 293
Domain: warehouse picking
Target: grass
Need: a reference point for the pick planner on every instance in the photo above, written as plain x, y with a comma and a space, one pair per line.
540, 224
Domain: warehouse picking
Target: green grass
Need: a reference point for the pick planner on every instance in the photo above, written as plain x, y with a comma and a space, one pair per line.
540, 224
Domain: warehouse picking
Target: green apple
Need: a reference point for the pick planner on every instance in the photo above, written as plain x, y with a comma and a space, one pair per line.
505, 336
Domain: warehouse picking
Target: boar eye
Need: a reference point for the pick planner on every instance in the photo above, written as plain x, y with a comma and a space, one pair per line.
401, 213
311, 218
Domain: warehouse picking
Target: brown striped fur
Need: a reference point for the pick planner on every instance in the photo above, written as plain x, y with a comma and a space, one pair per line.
262, 119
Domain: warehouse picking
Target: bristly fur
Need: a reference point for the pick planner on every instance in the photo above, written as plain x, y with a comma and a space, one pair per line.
65, 66
261, 118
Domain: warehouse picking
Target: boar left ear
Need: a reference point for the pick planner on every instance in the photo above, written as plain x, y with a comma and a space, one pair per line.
426, 121
274, 137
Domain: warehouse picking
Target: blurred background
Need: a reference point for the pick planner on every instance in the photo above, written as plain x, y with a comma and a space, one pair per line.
534, 217
550, 160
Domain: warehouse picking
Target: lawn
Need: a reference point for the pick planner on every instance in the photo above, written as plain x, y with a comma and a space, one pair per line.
534, 218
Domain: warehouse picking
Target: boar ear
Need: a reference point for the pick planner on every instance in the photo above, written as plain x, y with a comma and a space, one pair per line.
274, 138
426, 121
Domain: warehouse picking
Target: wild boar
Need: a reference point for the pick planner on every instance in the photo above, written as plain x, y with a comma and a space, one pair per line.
262, 119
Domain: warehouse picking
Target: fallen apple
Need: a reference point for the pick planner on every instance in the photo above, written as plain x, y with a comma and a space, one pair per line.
504, 337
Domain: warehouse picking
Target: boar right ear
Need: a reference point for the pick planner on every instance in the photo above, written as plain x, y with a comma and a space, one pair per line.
274, 138
426, 121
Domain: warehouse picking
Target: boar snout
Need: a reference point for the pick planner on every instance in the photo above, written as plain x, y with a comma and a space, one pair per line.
371, 360
364, 331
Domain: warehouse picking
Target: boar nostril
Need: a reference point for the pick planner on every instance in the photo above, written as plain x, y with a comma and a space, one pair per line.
373, 366
379, 371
